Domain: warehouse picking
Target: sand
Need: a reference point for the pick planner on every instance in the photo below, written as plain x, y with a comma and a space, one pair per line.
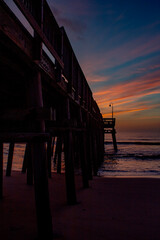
112, 208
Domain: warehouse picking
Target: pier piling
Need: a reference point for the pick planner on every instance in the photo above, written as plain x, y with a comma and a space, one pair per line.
1, 170
10, 159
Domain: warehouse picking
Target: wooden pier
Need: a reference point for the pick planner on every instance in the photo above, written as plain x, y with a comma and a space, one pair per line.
44, 94
109, 128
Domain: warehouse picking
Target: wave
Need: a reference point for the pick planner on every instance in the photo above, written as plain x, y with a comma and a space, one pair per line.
130, 171
135, 143
135, 156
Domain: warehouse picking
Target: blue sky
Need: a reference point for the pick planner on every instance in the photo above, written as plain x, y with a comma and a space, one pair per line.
117, 44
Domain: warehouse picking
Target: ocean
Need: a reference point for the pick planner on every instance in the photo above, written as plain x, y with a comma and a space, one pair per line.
138, 155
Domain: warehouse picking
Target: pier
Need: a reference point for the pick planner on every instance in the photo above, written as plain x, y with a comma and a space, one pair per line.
109, 128
44, 94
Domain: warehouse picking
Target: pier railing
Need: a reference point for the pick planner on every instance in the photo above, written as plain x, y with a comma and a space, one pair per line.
109, 128
109, 122
53, 53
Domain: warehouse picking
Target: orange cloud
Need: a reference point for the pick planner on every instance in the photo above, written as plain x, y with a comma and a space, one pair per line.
140, 87
125, 111
95, 79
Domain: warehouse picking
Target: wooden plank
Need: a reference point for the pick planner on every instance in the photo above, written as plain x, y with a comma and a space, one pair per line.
24, 137
11, 27
15, 114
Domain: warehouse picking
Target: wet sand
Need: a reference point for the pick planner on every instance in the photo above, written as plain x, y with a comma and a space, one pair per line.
112, 208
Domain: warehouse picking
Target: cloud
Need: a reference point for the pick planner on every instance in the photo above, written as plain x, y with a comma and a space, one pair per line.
124, 53
75, 26
131, 108
96, 78
125, 111
72, 7
127, 94
67, 15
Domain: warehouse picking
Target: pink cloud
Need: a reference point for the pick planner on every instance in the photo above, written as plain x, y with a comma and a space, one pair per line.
71, 8
150, 80
121, 54
129, 92
97, 79
66, 14
131, 108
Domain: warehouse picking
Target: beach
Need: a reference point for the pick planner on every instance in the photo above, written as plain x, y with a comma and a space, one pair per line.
111, 208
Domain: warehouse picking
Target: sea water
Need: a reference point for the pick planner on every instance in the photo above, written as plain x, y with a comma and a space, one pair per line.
18, 157
138, 155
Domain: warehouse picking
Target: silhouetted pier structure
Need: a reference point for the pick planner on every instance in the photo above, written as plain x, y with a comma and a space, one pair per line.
44, 94
109, 128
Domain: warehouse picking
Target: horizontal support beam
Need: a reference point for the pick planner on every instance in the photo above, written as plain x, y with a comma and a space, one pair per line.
23, 137
24, 114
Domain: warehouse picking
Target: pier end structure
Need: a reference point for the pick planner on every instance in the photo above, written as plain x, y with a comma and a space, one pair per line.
109, 128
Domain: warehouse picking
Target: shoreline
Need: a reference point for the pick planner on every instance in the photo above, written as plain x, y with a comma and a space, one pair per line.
158, 177
112, 208
98, 176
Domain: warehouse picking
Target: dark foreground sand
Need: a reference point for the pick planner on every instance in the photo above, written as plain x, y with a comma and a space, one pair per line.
112, 208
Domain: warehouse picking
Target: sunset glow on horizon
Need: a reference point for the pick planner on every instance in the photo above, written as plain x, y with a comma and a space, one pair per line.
117, 44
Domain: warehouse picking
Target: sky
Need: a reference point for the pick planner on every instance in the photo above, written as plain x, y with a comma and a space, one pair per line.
117, 43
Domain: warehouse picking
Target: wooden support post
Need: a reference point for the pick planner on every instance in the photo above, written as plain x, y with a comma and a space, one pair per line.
98, 148
1, 170
89, 155
102, 143
69, 168
114, 139
94, 144
56, 151
83, 153
29, 166
49, 154
10, 159
24, 167
84, 167
52, 146
69, 159
40, 169
77, 151
59, 146
44, 219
